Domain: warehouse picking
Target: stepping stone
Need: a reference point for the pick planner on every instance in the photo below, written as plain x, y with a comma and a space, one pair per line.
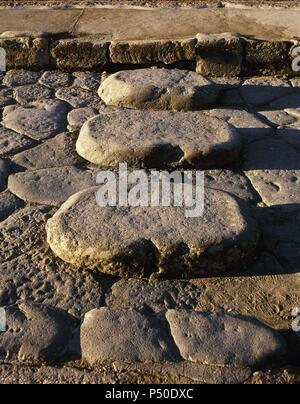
51, 186
77, 97
109, 335
37, 333
140, 242
78, 117
57, 152
224, 339
8, 204
158, 138
34, 92
5, 169
55, 79
159, 89
12, 142
39, 120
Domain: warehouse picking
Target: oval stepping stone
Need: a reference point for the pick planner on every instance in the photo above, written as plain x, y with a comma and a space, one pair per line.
158, 138
159, 89
137, 242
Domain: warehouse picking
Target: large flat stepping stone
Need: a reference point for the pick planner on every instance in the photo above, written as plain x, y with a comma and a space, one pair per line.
39, 120
160, 89
158, 138
51, 186
124, 335
224, 339
157, 241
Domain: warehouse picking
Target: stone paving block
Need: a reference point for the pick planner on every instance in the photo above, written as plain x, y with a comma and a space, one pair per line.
12, 142
78, 117
15, 78
159, 89
5, 169
34, 92
157, 139
224, 339
154, 241
87, 80
78, 97
277, 117
8, 204
51, 186
37, 333
55, 79
6, 97
124, 335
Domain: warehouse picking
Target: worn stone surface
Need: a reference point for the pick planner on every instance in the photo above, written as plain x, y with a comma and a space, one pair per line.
87, 80
158, 138
78, 117
158, 295
6, 97
36, 333
12, 142
159, 241
124, 335
39, 120
259, 91
293, 112
78, 97
277, 117
5, 169
15, 78
55, 79
219, 55
51, 186
79, 54
31, 93
224, 339
159, 89
248, 124
144, 52
57, 152
8, 204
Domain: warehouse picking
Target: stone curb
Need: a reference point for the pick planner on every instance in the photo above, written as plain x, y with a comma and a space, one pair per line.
223, 55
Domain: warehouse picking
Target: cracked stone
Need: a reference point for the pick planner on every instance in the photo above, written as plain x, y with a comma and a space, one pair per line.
55, 79
248, 125
37, 333
57, 152
158, 138
77, 97
15, 78
158, 295
78, 117
8, 204
124, 335
12, 142
138, 242
5, 169
224, 339
51, 186
34, 92
159, 89
39, 120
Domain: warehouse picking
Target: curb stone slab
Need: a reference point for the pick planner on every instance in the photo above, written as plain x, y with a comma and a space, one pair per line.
223, 339
124, 335
140, 242
159, 89
158, 138
39, 120
51, 186
36, 333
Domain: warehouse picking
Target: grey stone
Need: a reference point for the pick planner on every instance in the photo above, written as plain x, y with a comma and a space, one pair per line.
159, 89
39, 120
5, 169
247, 124
154, 241
37, 333
144, 52
8, 204
57, 152
290, 101
158, 138
277, 117
55, 79
87, 80
77, 97
30, 93
6, 97
15, 78
158, 295
51, 186
80, 54
259, 91
78, 117
124, 335
12, 142
224, 339
219, 55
